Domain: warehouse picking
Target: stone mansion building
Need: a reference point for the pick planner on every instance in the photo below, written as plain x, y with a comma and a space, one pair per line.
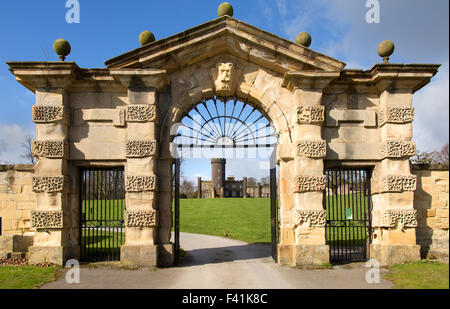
222, 187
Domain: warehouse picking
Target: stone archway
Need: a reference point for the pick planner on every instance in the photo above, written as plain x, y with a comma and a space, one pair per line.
300, 197
121, 116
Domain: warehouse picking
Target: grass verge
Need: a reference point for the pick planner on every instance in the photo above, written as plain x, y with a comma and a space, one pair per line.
419, 275
26, 277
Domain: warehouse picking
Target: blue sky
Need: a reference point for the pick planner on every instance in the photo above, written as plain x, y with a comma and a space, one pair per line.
108, 28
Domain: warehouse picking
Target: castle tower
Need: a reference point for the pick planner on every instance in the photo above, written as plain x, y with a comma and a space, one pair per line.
199, 187
218, 176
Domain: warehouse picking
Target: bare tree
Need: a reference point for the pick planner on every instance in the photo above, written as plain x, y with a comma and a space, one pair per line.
423, 157
265, 181
187, 188
442, 156
27, 146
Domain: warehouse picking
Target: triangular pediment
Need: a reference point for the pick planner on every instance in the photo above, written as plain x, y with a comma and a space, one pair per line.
225, 35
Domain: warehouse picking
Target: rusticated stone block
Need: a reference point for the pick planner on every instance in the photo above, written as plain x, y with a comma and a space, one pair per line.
310, 114
140, 183
398, 183
139, 256
388, 255
312, 255
312, 149
49, 184
315, 218
310, 183
400, 217
396, 115
398, 149
141, 113
444, 223
140, 218
51, 149
140, 149
47, 219
49, 114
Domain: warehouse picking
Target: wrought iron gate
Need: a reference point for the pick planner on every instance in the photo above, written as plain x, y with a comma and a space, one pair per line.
102, 205
223, 124
274, 213
348, 205
177, 209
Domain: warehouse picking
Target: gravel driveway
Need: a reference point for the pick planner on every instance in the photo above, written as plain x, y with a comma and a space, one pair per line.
219, 263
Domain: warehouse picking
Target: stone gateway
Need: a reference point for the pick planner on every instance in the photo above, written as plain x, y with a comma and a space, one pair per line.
121, 116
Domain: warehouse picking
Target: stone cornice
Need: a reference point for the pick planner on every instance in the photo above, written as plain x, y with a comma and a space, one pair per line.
44, 75
430, 167
395, 77
316, 80
141, 78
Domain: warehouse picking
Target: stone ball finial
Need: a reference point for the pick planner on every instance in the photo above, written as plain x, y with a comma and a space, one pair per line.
385, 50
62, 48
225, 9
146, 37
304, 39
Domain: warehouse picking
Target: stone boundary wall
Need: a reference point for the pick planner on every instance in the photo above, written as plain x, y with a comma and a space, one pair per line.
431, 200
17, 199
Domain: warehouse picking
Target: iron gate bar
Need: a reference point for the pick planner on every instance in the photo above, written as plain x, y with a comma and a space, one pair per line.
348, 208
273, 212
224, 146
177, 210
215, 124
102, 204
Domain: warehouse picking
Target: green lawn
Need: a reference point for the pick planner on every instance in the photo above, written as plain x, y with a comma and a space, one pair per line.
26, 277
102, 244
102, 230
249, 219
344, 229
243, 219
419, 275
103, 239
103, 210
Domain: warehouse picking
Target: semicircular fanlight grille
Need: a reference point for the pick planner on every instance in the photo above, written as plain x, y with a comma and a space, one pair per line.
225, 123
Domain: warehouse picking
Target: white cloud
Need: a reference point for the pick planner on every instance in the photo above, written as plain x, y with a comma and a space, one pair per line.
282, 7
418, 28
431, 105
11, 139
